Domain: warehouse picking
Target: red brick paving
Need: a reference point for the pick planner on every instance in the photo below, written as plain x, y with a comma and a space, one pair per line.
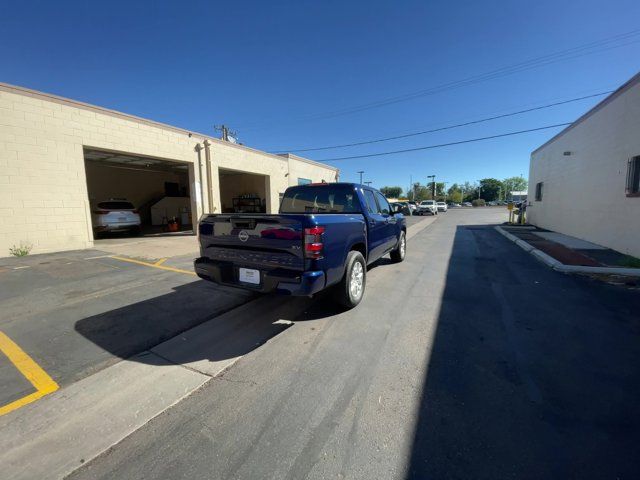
563, 254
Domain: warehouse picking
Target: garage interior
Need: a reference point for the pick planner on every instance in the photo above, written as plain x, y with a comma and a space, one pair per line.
242, 192
158, 188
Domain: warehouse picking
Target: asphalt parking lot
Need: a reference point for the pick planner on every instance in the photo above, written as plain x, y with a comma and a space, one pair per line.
72, 314
469, 360
75, 313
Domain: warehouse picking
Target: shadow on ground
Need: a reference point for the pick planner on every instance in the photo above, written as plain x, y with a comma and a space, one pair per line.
533, 374
129, 330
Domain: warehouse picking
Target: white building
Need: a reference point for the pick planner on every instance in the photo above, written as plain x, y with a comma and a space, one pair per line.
584, 182
59, 157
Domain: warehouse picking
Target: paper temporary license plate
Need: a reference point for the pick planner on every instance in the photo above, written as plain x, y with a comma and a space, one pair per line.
249, 275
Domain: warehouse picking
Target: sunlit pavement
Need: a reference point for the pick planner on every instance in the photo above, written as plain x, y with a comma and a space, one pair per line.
468, 360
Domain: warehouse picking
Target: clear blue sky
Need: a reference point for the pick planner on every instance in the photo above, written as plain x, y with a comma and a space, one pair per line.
266, 68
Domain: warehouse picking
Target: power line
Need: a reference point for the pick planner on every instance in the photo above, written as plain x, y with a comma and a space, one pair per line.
495, 117
429, 147
597, 46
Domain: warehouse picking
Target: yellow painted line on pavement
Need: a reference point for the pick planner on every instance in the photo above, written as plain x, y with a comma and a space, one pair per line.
42, 382
153, 265
160, 262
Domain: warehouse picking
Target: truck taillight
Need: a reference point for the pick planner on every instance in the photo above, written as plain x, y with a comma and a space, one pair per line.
313, 244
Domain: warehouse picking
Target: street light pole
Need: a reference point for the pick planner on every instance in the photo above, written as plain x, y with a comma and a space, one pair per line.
361, 172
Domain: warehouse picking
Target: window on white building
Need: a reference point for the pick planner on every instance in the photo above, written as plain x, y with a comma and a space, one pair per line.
304, 181
633, 177
539, 191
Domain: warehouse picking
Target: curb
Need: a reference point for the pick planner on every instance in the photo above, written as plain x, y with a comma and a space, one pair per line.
561, 267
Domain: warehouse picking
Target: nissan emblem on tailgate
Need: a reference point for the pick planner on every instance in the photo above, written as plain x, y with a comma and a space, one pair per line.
243, 236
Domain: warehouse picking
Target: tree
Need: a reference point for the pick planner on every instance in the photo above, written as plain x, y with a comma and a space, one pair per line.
469, 191
454, 193
490, 189
513, 184
419, 193
391, 192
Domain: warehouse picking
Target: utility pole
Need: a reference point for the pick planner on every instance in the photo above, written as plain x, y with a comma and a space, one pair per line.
368, 183
225, 133
361, 172
433, 186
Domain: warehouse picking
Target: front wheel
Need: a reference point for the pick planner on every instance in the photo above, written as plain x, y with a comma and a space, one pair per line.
350, 290
398, 254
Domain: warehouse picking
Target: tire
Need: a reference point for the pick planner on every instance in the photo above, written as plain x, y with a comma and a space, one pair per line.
399, 253
356, 266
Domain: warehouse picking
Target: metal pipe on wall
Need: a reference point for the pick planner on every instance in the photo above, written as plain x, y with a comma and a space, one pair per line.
207, 159
198, 149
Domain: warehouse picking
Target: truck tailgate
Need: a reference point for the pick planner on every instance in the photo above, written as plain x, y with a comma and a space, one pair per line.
255, 241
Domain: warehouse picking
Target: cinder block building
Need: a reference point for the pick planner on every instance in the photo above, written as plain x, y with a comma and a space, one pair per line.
585, 181
60, 157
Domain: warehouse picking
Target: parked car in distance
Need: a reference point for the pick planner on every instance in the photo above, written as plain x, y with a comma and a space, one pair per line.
442, 207
454, 205
428, 207
413, 205
467, 204
115, 215
324, 236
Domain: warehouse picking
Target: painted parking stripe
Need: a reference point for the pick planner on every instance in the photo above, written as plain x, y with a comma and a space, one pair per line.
99, 256
42, 382
154, 265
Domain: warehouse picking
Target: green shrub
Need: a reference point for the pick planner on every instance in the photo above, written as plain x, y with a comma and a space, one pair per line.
478, 202
21, 250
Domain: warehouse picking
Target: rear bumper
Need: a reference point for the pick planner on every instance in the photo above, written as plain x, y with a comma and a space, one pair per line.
114, 227
281, 281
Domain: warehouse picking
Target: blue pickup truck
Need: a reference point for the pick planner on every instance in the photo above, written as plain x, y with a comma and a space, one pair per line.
324, 236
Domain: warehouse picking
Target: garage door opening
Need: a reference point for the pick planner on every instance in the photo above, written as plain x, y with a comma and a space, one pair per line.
131, 195
242, 192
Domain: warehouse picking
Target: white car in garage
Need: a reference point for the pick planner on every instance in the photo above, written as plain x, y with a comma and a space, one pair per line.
115, 215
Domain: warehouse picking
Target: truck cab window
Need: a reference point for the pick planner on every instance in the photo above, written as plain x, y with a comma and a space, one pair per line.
371, 202
385, 209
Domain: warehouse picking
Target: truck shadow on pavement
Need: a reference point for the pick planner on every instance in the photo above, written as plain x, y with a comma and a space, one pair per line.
232, 322
197, 309
532, 373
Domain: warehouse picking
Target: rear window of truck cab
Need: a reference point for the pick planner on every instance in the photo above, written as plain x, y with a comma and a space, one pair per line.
320, 199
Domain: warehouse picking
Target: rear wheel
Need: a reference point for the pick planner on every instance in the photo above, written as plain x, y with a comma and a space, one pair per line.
398, 254
350, 290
